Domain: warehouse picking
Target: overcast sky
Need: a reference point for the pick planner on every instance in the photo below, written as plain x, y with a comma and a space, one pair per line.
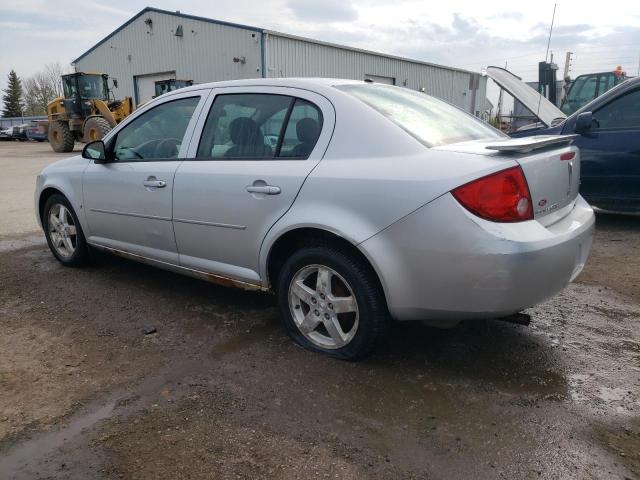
468, 34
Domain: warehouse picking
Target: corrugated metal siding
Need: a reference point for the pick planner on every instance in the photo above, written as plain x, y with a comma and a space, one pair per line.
292, 57
204, 54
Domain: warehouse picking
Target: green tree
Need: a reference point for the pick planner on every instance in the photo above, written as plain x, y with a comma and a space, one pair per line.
12, 97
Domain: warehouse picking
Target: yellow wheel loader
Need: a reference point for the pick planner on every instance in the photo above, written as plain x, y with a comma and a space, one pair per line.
85, 113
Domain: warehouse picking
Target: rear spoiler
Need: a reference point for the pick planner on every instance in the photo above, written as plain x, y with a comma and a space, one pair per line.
529, 144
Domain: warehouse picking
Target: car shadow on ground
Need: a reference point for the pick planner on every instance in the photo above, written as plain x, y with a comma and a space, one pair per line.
485, 354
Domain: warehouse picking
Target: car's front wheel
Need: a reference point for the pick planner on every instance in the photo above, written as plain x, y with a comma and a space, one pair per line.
63, 231
331, 302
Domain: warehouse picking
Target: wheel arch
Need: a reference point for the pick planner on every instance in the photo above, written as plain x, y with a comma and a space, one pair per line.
45, 194
301, 236
76, 203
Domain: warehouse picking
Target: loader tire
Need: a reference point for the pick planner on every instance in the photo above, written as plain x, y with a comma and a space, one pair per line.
60, 137
95, 128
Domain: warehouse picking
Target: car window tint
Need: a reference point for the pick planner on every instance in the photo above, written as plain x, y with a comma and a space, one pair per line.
156, 134
606, 82
303, 130
623, 112
431, 121
244, 126
587, 90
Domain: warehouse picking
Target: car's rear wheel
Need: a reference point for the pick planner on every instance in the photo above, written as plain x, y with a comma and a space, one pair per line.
332, 303
63, 231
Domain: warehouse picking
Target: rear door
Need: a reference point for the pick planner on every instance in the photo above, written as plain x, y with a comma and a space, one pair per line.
128, 201
257, 146
611, 155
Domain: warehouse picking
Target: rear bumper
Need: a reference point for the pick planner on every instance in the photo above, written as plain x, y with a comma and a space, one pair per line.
443, 263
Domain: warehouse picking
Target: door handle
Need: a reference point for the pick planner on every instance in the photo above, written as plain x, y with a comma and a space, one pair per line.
266, 189
154, 183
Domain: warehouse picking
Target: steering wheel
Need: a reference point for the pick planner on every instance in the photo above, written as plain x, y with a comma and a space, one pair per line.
167, 148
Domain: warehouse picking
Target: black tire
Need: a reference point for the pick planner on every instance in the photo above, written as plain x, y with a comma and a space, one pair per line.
60, 137
373, 316
95, 128
80, 255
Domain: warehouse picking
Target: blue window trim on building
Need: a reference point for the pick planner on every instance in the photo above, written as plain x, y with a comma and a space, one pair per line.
136, 96
263, 37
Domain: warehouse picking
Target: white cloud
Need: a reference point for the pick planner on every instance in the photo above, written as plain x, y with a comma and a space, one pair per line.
464, 33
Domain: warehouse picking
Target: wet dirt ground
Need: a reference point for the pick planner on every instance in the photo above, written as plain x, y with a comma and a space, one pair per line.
219, 391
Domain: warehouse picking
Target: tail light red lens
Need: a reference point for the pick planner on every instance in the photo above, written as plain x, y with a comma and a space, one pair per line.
500, 197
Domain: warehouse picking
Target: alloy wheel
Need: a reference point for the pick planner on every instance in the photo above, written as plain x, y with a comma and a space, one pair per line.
62, 230
323, 306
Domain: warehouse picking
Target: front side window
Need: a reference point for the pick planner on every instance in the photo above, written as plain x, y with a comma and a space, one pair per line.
69, 85
259, 126
156, 134
623, 112
431, 121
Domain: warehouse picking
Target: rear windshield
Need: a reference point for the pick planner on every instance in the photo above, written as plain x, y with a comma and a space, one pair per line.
431, 121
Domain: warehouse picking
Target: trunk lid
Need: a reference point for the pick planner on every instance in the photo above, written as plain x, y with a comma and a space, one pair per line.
551, 166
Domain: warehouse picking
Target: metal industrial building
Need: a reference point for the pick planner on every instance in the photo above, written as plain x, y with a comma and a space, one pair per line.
157, 44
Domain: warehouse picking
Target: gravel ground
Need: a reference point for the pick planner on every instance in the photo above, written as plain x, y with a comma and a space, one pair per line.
219, 391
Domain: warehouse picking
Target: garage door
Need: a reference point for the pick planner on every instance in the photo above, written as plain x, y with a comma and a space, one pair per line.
145, 85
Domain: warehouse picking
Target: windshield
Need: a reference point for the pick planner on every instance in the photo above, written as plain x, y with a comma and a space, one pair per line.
586, 88
92, 86
431, 121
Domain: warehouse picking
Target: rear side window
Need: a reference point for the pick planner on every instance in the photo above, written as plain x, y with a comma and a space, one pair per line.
431, 121
259, 126
303, 130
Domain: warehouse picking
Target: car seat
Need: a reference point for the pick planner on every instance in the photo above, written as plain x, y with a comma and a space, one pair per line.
247, 139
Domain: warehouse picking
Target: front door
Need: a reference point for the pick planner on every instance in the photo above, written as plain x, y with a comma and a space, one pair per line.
128, 200
610, 155
256, 148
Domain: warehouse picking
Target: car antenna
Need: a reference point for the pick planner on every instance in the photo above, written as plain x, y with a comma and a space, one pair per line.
546, 55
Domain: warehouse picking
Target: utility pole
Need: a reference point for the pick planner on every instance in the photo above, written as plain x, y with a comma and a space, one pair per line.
567, 65
565, 76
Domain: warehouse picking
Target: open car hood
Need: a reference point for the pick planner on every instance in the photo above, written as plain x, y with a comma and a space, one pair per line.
547, 112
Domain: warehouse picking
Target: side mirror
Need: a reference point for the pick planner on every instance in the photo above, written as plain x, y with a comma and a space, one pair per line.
584, 122
115, 83
95, 151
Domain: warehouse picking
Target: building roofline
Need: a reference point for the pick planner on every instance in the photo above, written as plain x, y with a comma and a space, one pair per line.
267, 32
166, 12
362, 50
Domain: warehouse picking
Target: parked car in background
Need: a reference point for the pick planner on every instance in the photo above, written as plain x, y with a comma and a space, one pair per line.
374, 202
19, 132
5, 134
609, 139
36, 133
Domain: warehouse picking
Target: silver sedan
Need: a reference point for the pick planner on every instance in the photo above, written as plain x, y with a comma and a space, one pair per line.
355, 203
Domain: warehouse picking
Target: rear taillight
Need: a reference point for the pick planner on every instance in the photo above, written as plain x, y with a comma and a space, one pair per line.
500, 197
